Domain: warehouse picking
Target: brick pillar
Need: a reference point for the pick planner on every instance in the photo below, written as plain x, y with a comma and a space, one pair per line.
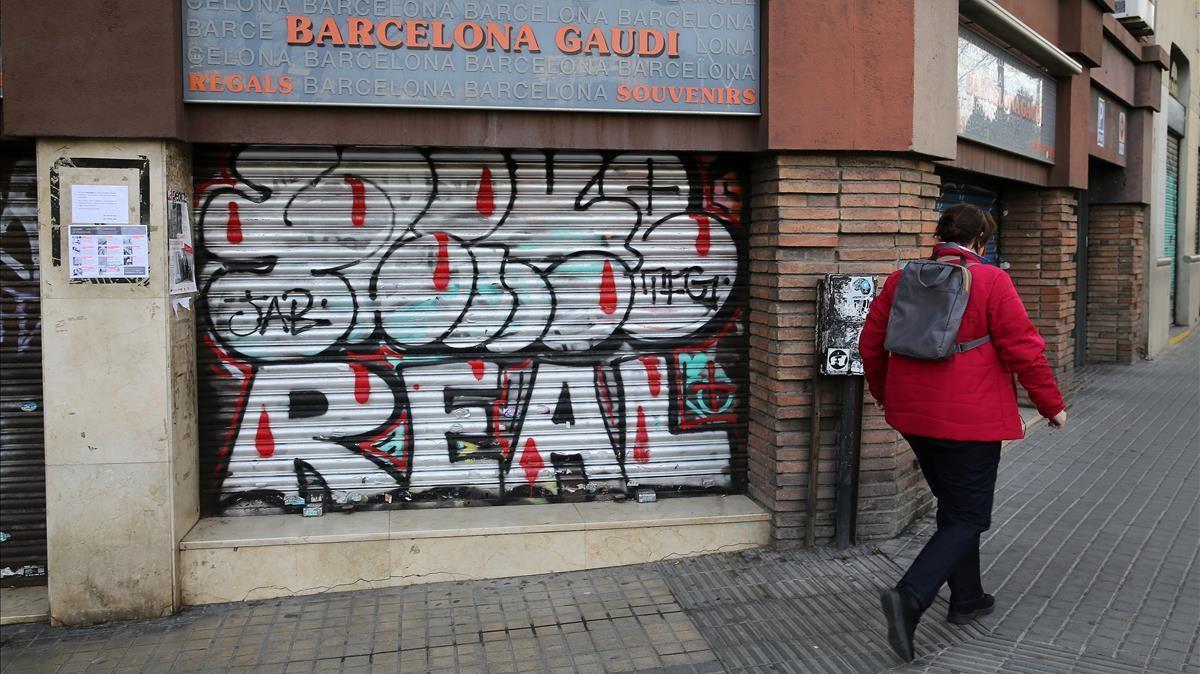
813, 215
1116, 247
1039, 240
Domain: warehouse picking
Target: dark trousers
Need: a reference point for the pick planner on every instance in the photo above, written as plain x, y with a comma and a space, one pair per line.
962, 475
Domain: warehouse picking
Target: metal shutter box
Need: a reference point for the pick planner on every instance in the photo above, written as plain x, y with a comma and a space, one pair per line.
386, 326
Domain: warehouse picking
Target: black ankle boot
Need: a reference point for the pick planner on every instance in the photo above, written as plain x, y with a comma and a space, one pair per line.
962, 613
900, 614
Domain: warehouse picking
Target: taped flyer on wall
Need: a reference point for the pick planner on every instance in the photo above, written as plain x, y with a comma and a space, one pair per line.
181, 257
108, 252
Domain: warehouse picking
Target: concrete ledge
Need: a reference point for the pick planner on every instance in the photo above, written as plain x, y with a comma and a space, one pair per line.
24, 605
244, 558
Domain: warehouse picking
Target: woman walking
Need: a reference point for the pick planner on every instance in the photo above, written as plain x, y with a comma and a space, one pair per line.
955, 413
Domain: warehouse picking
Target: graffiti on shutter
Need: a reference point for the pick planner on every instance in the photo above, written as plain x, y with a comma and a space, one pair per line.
387, 325
22, 449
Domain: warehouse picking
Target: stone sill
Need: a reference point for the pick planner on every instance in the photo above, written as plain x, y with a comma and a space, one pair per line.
249, 558
24, 605
237, 532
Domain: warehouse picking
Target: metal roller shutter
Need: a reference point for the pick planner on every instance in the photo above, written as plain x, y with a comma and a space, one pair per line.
1171, 214
386, 326
22, 450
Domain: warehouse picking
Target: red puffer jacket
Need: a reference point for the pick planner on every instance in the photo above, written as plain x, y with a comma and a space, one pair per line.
971, 396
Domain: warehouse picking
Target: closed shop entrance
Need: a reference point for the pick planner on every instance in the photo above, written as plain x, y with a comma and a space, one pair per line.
954, 192
1171, 217
22, 450
385, 326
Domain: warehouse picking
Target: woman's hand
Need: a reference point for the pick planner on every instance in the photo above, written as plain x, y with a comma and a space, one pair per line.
1059, 420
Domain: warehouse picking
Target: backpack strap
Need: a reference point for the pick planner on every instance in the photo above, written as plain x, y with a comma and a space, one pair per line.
963, 347
951, 259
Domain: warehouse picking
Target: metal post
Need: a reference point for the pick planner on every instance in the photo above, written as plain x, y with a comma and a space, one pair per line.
849, 444
814, 461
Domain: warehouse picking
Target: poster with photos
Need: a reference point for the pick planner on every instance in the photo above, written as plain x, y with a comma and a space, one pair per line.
108, 252
181, 256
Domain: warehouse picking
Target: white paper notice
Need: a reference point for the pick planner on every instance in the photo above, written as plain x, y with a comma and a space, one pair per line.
100, 204
109, 252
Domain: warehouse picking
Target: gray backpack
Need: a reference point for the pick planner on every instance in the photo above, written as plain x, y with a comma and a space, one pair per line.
928, 309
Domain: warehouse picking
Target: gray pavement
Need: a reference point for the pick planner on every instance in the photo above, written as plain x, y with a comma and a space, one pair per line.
1092, 557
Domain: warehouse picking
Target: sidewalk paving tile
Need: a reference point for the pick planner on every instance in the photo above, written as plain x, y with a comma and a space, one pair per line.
1092, 556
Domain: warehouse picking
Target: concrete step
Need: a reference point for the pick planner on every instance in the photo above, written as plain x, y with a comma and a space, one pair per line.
245, 558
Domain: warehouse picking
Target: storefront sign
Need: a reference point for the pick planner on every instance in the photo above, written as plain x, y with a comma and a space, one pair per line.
1003, 102
692, 56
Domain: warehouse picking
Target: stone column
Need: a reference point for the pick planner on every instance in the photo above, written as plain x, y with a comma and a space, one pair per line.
119, 373
814, 215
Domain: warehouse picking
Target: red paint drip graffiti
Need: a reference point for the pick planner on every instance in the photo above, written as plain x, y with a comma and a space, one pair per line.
264, 439
233, 225
362, 383
608, 289
641, 441
703, 234
441, 272
608, 408
358, 204
532, 462
477, 369
485, 198
653, 376
223, 178
247, 378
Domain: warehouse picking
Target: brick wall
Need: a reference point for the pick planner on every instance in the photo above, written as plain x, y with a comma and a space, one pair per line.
1116, 247
1039, 240
813, 215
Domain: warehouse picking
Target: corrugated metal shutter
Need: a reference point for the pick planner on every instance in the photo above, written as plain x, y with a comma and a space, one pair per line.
1171, 213
22, 451
385, 325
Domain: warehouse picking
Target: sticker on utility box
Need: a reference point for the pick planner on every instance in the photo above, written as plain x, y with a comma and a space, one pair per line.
837, 361
844, 303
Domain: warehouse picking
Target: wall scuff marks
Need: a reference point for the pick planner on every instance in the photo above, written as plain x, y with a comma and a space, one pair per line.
390, 325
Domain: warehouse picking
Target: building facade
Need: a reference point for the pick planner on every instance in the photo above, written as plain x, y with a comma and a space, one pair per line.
471, 280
